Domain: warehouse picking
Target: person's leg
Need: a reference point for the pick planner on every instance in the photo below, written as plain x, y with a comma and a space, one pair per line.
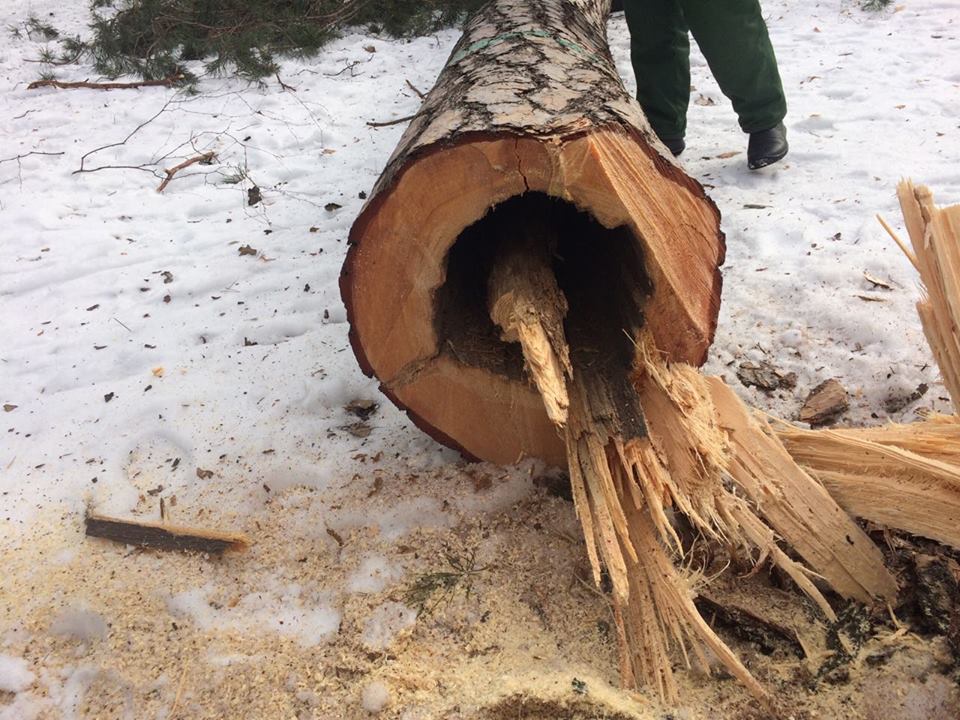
734, 40
660, 52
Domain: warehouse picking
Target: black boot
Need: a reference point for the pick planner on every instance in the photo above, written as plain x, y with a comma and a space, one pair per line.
767, 146
674, 145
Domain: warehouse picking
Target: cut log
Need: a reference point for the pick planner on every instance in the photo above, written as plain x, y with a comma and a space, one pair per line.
935, 236
528, 121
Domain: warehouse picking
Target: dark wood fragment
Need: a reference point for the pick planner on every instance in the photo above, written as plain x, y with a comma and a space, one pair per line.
163, 536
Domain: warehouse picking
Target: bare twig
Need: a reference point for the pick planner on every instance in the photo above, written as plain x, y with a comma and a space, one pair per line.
283, 85
414, 88
18, 158
204, 158
168, 81
137, 129
349, 67
392, 122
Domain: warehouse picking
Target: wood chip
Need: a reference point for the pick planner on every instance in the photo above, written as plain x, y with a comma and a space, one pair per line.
762, 375
827, 402
876, 282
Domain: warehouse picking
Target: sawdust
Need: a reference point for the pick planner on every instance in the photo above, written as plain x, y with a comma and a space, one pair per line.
529, 637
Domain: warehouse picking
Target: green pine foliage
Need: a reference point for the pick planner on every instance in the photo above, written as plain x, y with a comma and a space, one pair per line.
154, 38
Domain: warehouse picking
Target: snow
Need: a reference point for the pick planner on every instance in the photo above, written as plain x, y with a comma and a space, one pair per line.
375, 697
15, 675
80, 624
284, 609
140, 346
385, 622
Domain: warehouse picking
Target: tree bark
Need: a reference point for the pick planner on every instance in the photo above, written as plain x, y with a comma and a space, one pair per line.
529, 106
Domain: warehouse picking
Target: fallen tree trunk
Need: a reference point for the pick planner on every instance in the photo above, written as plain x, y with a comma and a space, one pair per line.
534, 275
529, 117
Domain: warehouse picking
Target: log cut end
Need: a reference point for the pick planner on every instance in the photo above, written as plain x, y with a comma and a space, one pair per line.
616, 224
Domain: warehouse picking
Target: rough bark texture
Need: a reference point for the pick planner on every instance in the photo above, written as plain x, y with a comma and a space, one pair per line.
529, 104
533, 69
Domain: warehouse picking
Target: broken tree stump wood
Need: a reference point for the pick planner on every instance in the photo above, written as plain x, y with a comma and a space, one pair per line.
905, 477
528, 112
935, 237
163, 536
797, 507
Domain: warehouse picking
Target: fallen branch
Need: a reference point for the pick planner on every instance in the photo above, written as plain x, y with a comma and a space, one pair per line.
371, 123
163, 536
205, 158
168, 81
413, 87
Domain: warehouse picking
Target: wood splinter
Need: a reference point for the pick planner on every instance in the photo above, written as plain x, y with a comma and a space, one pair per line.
526, 302
163, 536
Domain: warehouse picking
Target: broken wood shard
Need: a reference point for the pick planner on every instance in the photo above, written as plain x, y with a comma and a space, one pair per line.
797, 507
528, 306
935, 237
902, 476
164, 536
825, 403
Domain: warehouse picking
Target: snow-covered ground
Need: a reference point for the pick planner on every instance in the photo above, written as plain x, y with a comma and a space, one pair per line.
148, 336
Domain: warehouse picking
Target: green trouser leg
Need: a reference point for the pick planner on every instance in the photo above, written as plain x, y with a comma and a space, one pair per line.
660, 53
734, 40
